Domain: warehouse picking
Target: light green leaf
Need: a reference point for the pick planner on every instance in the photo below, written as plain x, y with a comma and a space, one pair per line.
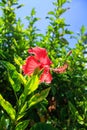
51, 13
33, 12
32, 85
2, 4
23, 80
18, 60
7, 107
60, 11
83, 29
38, 97
61, 2
22, 111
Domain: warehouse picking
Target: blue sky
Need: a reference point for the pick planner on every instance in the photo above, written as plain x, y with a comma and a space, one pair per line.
41, 7
76, 16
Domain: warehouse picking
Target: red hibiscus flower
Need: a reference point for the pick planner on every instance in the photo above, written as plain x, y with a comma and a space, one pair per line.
38, 59
41, 55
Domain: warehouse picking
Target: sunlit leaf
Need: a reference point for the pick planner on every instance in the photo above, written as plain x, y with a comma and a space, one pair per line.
51, 13
33, 12
18, 60
61, 2
38, 97
7, 107
32, 85
22, 111
83, 29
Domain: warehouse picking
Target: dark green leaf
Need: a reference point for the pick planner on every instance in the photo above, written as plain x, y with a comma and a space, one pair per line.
43, 126
22, 125
75, 113
13, 75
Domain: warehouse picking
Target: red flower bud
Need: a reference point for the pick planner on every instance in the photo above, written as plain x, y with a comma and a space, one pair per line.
61, 69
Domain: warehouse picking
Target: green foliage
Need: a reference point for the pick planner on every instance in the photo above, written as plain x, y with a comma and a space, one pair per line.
23, 101
22, 125
13, 75
4, 121
8, 107
42, 126
38, 97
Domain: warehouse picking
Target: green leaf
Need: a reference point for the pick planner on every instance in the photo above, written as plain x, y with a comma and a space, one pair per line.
19, 6
76, 114
83, 29
60, 21
2, 54
31, 85
51, 13
60, 11
61, 2
22, 125
22, 99
43, 126
23, 80
13, 75
7, 107
18, 60
33, 12
4, 121
15, 81
22, 111
2, 4
8, 65
38, 97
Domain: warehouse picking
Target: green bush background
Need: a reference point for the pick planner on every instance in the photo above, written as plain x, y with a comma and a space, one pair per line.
69, 88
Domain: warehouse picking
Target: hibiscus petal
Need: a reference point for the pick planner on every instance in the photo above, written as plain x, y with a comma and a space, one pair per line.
30, 65
41, 55
38, 52
46, 76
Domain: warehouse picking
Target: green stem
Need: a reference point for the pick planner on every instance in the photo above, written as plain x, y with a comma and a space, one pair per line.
16, 97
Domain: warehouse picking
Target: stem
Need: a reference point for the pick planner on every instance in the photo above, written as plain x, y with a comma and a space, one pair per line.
16, 97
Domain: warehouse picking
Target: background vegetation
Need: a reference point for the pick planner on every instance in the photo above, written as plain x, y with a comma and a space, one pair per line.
65, 107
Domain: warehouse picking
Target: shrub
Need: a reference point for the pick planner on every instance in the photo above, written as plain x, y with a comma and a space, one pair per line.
24, 102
